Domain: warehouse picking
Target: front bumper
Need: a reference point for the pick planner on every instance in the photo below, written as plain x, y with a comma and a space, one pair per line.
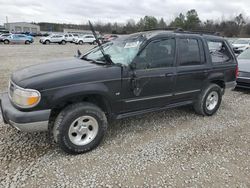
35, 121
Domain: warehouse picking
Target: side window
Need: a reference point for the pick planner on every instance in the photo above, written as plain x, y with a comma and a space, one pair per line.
189, 52
157, 54
219, 52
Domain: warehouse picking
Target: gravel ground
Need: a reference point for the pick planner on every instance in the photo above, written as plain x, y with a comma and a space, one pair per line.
173, 148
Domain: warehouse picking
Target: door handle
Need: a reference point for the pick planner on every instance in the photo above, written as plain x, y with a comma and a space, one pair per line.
206, 72
169, 74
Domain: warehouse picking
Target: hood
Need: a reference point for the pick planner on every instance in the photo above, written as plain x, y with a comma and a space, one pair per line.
57, 73
244, 65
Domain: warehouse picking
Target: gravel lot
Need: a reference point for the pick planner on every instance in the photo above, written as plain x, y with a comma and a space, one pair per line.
173, 148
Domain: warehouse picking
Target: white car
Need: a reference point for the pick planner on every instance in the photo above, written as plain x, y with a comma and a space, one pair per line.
60, 39
241, 44
69, 37
90, 39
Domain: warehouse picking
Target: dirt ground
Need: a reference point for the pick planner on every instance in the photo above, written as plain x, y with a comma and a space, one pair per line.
172, 148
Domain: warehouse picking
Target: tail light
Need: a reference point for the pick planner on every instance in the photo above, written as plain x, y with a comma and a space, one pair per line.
237, 72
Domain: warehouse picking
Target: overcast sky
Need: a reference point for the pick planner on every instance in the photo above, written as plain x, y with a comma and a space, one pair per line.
79, 11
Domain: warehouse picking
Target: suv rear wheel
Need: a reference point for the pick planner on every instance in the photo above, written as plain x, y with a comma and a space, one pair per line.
209, 100
79, 128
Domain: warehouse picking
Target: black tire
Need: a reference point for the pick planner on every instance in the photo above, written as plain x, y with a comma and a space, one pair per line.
63, 42
65, 120
80, 42
6, 41
200, 105
27, 42
47, 42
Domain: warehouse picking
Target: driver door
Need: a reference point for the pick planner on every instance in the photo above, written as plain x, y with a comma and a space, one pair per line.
150, 83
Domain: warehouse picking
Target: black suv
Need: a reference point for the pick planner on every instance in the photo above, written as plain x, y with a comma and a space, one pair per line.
140, 73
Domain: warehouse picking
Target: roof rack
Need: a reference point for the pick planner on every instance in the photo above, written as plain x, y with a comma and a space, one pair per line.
165, 29
180, 30
200, 32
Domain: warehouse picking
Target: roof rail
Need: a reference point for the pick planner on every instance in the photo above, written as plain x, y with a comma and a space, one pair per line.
165, 29
180, 30
200, 32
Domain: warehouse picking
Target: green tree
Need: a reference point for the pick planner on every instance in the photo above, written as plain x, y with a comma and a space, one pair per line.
150, 22
162, 24
179, 21
192, 20
140, 25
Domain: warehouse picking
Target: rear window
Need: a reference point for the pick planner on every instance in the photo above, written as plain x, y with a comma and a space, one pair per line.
219, 52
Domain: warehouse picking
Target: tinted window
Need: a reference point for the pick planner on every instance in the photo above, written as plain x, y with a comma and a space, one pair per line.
219, 52
189, 52
159, 53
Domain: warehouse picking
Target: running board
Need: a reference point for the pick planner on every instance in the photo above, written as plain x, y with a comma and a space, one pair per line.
129, 114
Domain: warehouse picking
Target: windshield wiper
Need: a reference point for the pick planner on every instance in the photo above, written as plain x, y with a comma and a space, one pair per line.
106, 56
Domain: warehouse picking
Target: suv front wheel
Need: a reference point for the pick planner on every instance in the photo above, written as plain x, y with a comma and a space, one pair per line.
209, 100
80, 128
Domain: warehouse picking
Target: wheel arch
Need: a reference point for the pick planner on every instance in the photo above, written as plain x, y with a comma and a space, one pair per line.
99, 98
220, 83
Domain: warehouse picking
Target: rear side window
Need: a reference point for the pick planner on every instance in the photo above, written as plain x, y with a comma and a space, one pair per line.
189, 52
219, 52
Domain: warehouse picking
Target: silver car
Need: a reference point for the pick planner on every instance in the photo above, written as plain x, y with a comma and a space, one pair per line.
55, 38
3, 36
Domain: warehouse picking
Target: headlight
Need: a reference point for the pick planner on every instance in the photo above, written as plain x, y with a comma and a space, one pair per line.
24, 98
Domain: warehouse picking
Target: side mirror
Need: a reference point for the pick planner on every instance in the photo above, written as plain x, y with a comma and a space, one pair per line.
133, 65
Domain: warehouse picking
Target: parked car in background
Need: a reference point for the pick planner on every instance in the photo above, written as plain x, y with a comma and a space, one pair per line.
241, 45
3, 36
54, 38
69, 37
231, 40
18, 39
90, 39
108, 38
75, 98
243, 80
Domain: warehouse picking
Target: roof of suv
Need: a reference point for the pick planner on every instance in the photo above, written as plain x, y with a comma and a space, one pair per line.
155, 33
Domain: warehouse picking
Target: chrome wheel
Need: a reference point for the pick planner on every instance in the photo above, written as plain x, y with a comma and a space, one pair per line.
212, 100
83, 130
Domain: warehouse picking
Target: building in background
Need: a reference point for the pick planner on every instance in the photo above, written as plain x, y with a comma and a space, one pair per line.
3, 30
22, 27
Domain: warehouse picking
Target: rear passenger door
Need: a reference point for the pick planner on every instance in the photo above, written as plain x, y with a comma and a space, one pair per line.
192, 69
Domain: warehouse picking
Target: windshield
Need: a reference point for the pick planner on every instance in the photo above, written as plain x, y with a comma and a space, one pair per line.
121, 51
245, 54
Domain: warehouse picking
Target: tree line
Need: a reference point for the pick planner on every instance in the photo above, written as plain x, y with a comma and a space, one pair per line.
235, 27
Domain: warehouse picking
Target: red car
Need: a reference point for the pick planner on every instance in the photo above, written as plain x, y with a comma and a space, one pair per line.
108, 38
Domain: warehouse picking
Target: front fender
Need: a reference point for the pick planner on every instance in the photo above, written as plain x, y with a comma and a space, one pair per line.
56, 96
